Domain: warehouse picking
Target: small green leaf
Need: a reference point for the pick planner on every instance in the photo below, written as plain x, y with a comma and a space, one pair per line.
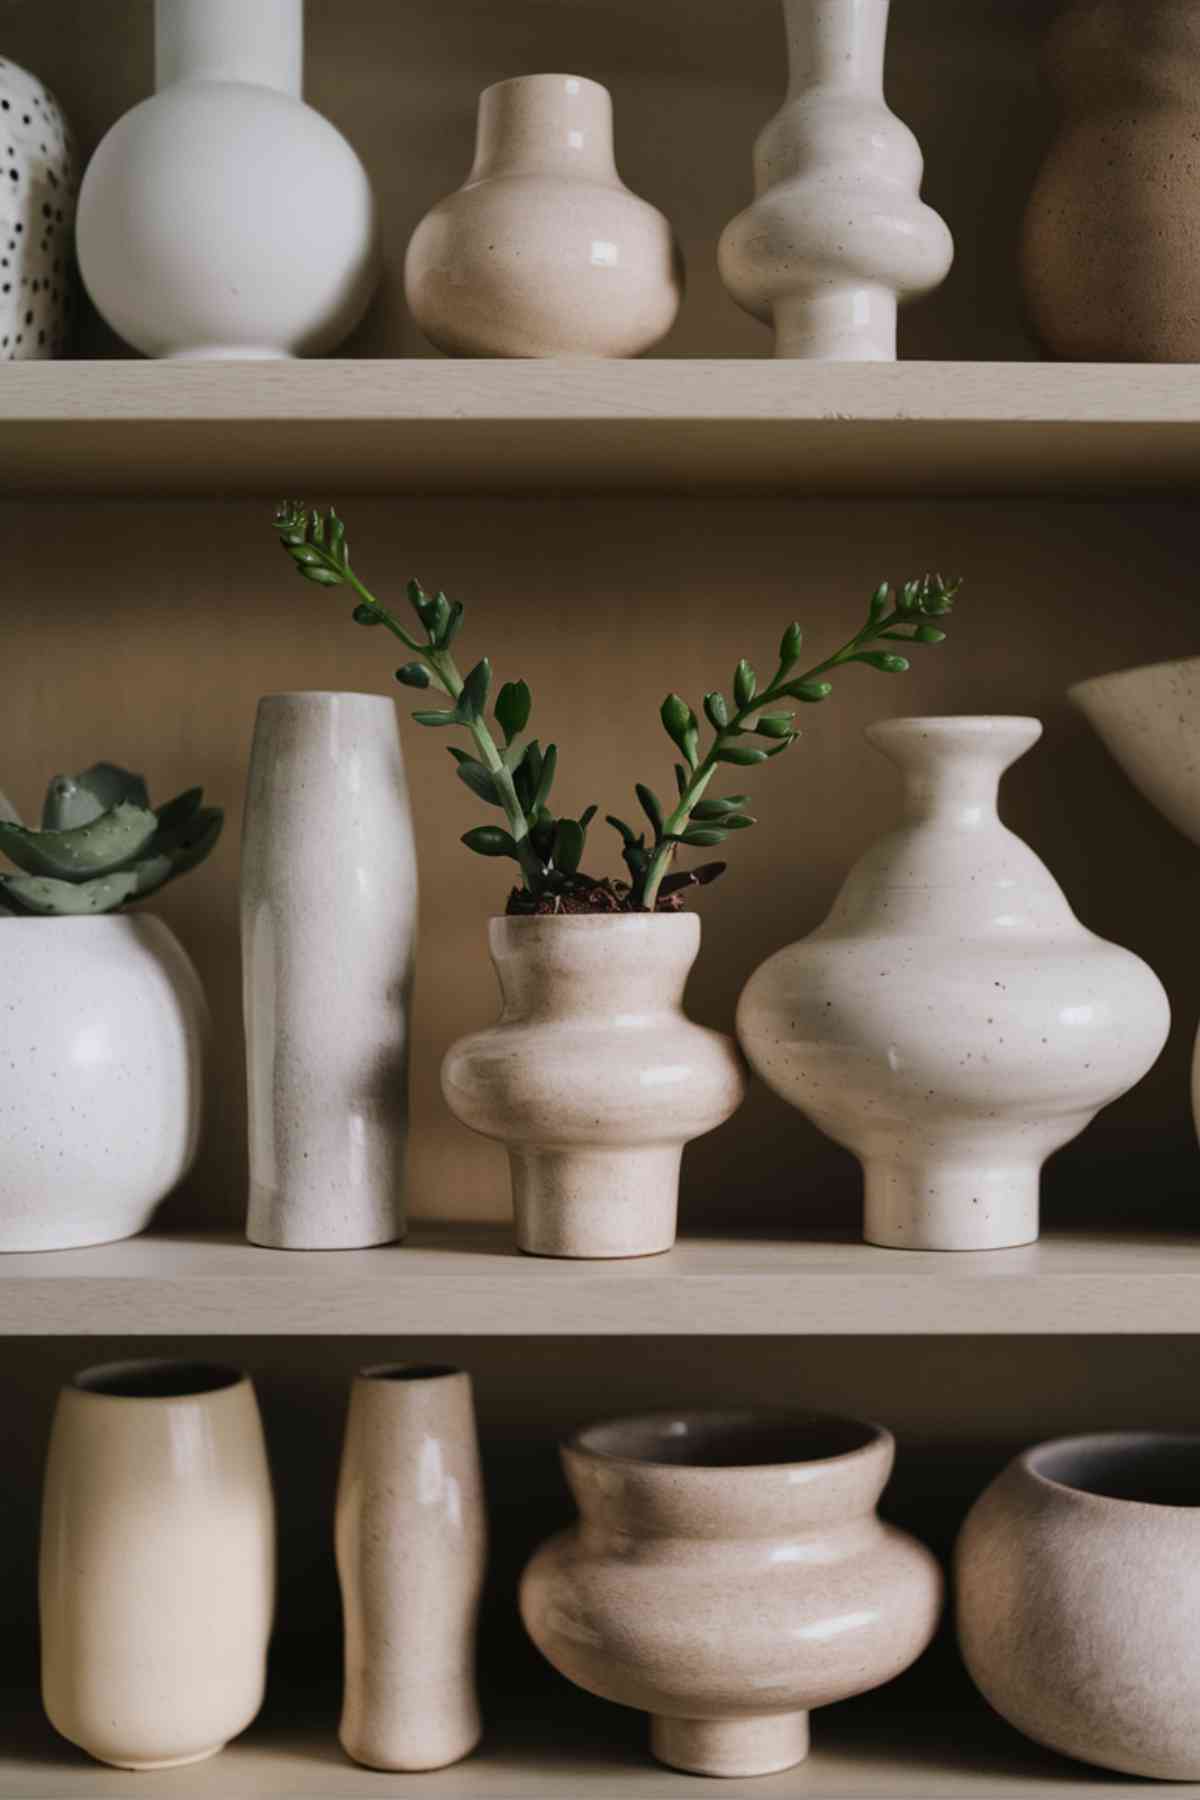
745, 684
322, 577
413, 675
473, 699
775, 725
626, 831
480, 781
651, 807
586, 817
439, 616
449, 630
790, 645
568, 845
809, 691
366, 614
703, 836
527, 772
879, 602
741, 755
681, 779
418, 600
437, 718
883, 660
737, 821
41, 894
101, 847
928, 634
546, 777
490, 840
716, 710
777, 749
718, 809
676, 716
514, 703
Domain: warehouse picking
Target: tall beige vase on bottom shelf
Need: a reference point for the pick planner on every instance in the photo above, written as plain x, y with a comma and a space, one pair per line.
594, 1079
727, 1574
411, 1536
157, 1562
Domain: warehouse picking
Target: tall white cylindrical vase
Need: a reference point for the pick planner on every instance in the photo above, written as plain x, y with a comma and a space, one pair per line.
329, 918
223, 217
411, 1539
838, 234
157, 1562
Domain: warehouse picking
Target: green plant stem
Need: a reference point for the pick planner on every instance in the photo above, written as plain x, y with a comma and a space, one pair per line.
677, 823
449, 681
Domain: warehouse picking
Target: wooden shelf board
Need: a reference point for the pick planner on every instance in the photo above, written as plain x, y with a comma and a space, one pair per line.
471, 1281
434, 425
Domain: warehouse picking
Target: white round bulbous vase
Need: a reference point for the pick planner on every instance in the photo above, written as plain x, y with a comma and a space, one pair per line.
594, 1079
544, 251
952, 1022
837, 235
103, 1025
224, 218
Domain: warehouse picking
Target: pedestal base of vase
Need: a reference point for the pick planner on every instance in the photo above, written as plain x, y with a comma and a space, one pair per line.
757, 1746
238, 353
837, 324
170, 1762
947, 1206
595, 1203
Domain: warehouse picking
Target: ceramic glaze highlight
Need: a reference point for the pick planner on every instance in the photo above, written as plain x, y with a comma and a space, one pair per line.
594, 1079
411, 1538
952, 1022
1110, 255
103, 1029
329, 922
729, 1573
196, 214
157, 1580
544, 251
1078, 1582
837, 235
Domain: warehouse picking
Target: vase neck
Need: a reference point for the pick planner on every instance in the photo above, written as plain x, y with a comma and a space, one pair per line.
619, 969
229, 40
545, 124
952, 767
836, 44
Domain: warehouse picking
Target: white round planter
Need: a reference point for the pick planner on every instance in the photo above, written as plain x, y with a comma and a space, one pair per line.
952, 1022
102, 1029
223, 217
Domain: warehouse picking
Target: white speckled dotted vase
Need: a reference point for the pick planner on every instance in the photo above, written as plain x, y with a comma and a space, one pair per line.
103, 1029
1150, 720
1078, 1586
157, 1562
952, 1022
411, 1534
329, 920
223, 217
728, 1574
837, 235
37, 220
594, 1079
544, 251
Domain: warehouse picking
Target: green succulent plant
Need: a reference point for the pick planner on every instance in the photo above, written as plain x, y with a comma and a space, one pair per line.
517, 778
101, 843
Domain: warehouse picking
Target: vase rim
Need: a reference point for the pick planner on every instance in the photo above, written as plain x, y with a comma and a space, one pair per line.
731, 1434
410, 1371
1094, 682
325, 694
587, 919
981, 725
1093, 1466
515, 81
156, 1379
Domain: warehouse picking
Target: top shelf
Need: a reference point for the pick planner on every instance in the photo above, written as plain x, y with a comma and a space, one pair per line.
738, 425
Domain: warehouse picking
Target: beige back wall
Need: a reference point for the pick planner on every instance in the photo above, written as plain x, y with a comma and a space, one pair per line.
147, 633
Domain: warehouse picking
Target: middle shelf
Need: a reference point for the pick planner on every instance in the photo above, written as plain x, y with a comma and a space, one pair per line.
470, 1280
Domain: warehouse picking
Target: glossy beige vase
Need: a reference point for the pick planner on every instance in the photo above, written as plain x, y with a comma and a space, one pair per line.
1111, 256
157, 1562
729, 1573
1078, 1581
594, 1079
952, 1022
411, 1539
837, 235
544, 251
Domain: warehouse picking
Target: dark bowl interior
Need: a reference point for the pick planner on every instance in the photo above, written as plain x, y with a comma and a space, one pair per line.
725, 1440
408, 1371
156, 1380
1157, 1471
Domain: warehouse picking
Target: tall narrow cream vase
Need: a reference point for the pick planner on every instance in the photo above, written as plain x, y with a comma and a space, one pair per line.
329, 915
838, 234
411, 1539
157, 1562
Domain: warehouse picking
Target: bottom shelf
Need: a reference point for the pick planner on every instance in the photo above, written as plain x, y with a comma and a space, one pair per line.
561, 1745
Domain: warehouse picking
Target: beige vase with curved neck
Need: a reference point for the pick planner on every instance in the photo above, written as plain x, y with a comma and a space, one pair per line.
411, 1538
594, 1079
544, 251
157, 1579
728, 1573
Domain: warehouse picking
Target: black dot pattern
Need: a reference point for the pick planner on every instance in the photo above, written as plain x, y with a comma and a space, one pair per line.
38, 186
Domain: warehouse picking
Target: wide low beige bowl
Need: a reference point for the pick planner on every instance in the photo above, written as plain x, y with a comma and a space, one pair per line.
729, 1573
1150, 720
1078, 1576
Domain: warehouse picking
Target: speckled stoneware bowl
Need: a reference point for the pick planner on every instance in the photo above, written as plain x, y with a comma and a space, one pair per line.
1150, 720
728, 1573
38, 183
1078, 1577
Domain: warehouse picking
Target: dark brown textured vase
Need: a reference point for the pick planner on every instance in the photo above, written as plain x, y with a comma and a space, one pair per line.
1111, 252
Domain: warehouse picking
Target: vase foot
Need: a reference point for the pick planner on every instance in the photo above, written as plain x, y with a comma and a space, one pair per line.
168, 1762
837, 324
949, 1206
755, 1746
595, 1203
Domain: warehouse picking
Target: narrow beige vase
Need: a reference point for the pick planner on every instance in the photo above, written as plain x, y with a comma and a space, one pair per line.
594, 1078
411, 1549
157, 1562
729, 1573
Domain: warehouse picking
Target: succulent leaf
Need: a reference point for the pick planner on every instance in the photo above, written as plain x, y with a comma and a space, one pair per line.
514, 703
176, 815
745, 684
490, 840
43, 894
181, 852
651, 806
8, 812
413, 675
110, 842
473, 699
568, 845
78, 799
480, 781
